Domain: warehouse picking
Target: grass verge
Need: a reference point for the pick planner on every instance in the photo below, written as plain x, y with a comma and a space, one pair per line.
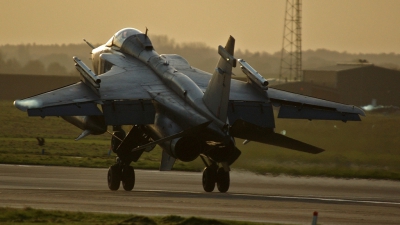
367, 149
37, 217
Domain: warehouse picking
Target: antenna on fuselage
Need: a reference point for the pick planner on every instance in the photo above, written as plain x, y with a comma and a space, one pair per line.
88, 43
146, 32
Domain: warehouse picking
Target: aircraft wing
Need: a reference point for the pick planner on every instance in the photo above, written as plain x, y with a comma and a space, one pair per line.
76, 99
125, 87
250, 100
298, 106
251, 113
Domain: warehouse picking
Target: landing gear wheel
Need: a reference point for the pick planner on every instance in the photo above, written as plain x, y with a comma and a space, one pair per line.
128, 178
114, 177
209, 178
223, 180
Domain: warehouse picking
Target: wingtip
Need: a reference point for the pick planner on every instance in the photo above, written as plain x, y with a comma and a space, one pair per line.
356, 110
26, 104
360, 111
18, 105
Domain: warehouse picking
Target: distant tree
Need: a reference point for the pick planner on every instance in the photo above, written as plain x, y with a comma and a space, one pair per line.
34, 67
391, 66
12, 66
74, 73
198, 54
63, 60
23, 53
55, 68
2, 62
163, 44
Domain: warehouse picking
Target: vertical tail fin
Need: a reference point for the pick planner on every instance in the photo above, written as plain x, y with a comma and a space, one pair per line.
216, 96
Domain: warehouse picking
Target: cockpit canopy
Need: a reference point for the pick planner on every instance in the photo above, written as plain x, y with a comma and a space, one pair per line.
131, 41
119, 37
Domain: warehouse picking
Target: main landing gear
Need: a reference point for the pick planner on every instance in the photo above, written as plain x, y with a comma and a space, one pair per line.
212, 174
119, 173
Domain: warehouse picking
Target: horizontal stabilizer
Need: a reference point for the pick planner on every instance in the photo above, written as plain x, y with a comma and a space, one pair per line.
248, 131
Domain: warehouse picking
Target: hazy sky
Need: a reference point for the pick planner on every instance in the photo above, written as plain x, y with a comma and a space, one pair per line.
366, 26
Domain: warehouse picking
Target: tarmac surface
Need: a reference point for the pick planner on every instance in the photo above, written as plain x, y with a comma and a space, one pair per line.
266, 199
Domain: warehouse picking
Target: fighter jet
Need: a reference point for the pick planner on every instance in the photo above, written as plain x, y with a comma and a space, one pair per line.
188, 112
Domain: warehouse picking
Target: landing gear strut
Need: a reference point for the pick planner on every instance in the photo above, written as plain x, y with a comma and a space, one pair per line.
121, 144
114, 174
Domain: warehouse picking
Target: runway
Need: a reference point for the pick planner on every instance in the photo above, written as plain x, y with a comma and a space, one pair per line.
289, 200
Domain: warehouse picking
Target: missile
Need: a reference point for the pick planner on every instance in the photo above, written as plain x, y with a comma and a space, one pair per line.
87, 74
253, 75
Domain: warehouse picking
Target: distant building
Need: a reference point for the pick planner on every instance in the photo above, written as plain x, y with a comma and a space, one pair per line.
356, 84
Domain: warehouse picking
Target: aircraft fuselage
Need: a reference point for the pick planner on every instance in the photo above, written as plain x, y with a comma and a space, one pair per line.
179, 112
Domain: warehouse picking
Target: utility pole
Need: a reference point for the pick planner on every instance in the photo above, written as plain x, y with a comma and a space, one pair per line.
291, 62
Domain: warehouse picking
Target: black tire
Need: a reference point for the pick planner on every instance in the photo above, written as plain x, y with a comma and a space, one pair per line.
128, 178
223, 180
209, 179
114, 177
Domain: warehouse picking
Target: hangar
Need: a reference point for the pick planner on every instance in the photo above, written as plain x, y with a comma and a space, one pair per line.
350, 83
